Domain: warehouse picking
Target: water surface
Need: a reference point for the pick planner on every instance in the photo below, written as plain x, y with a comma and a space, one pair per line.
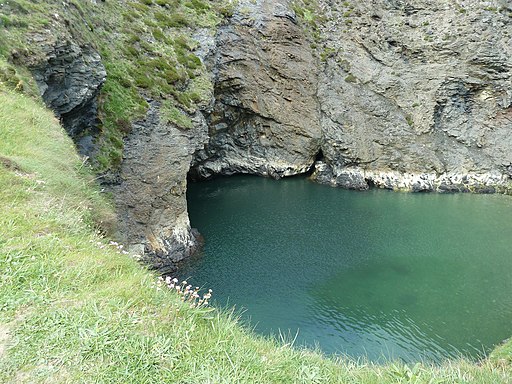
376, 274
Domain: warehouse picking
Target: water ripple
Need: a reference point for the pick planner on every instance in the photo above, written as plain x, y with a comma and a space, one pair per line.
376, 274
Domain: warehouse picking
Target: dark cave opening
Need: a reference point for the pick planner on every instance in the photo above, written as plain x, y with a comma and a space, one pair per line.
370, 182
319, 155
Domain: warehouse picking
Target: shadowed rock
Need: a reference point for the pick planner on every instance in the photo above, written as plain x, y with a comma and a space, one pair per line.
70, 80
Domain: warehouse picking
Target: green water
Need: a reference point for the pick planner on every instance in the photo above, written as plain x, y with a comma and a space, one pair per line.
376, 274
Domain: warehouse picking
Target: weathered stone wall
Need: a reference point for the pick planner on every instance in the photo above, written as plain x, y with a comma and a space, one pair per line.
416, 95
265, 119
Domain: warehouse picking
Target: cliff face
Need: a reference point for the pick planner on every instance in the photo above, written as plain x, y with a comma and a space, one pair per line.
416, 95
405, 95
69, 80
150, 189
397, 94
265, 118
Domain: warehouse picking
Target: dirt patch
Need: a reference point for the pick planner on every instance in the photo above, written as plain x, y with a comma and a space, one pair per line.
4, 338
9, 164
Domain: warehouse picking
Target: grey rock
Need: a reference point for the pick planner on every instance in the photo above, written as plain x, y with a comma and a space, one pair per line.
415, 87
150, 189
265, 118
70, 79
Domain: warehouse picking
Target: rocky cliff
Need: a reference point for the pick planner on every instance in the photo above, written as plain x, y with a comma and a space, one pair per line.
416, 95
150, 189
265, 119
70, 79
127, 82
406, 95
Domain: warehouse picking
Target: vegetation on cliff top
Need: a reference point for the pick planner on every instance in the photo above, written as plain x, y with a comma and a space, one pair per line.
74, 308
145, 45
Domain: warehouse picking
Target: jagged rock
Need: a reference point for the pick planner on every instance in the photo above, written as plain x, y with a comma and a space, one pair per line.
405, 95
69, 80
150, 191
265, 118
415, 87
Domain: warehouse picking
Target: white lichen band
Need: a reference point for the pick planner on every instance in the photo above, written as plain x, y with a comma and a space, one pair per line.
359, 178
181, 231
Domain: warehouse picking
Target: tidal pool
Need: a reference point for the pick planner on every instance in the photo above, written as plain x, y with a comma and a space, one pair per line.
377, 274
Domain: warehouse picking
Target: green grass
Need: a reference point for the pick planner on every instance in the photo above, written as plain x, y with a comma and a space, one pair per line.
170, 114
308, 11
351, 78
73, 309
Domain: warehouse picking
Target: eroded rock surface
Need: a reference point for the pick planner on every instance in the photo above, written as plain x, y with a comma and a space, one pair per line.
416, 95
413, 95
149, 189
265, 119
70, 79
150, 192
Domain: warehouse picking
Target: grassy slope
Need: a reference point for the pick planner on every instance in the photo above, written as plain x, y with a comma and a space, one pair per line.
74, 309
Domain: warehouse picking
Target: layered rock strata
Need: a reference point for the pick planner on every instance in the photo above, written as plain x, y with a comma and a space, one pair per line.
150, 191
416, 95
265, 119
70, 79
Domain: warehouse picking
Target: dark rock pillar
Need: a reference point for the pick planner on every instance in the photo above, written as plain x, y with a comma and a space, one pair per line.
70, 81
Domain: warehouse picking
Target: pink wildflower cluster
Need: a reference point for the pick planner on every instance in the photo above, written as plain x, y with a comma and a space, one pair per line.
187, 293
118, 247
